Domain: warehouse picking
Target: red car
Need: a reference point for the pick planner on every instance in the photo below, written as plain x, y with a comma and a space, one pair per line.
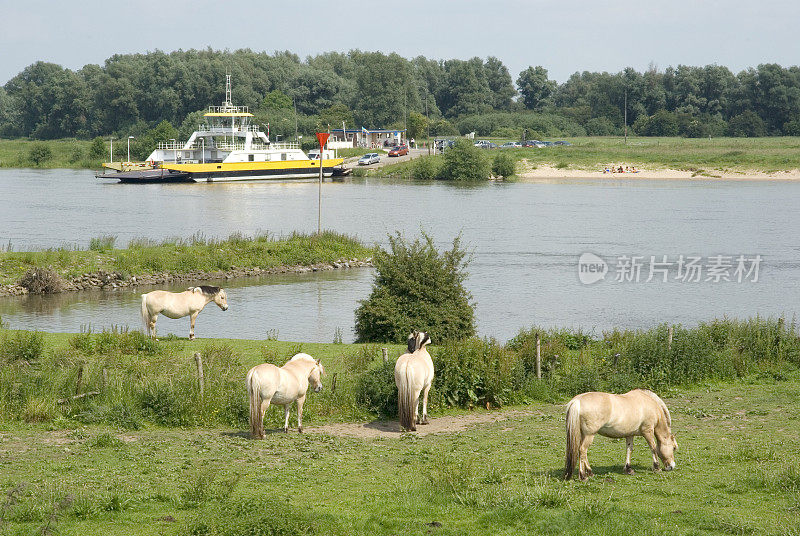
399, 150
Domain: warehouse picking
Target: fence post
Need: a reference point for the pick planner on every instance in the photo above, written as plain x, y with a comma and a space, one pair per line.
333, 383
80, 379
200, 379
669, 339
385, 353
538, 356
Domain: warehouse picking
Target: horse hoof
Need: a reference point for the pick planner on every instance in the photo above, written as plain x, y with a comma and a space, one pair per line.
656, 468
584, 478
285, 430
424, 421
300, 429
589, 472
629, 470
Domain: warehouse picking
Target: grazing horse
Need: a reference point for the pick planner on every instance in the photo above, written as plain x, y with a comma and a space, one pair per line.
179, 304
638, 412
268, 384
413, 374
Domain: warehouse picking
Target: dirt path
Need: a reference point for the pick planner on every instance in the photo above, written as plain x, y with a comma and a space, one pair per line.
441, 425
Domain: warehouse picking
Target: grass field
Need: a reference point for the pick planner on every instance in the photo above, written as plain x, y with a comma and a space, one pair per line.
684, 154
175, 256
68, 153
737, 467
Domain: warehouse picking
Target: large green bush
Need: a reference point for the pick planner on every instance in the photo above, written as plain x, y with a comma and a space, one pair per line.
425, 168
503, 165
465, 162
417, 287
474, 372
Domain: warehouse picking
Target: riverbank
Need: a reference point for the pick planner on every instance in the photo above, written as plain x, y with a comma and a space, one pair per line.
196, 259
162, 458
537, 173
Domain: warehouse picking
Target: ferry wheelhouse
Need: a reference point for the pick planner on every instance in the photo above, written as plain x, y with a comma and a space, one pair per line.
229, 147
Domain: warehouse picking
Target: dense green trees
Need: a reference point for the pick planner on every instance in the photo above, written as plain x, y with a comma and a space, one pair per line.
130, 94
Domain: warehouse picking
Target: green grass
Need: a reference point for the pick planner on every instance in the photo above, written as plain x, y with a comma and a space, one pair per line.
67, 153
737, 468
701, 156
175, 256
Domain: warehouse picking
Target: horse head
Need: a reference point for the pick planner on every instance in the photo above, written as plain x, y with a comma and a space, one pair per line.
423, 339
221, 299
314, 378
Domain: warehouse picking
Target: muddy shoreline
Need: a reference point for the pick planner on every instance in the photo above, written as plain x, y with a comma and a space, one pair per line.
103, 280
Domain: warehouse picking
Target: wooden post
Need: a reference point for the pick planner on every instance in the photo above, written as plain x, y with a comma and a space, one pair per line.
200, 378
669, 339
538, 357
333, 383
80, 379
385, 353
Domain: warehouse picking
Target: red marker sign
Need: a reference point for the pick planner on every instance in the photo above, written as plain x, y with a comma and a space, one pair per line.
322, 137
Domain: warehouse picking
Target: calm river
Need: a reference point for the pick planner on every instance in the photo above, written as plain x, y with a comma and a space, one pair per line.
526, 240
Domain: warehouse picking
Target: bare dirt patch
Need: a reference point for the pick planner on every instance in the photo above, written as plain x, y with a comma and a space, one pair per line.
441, 425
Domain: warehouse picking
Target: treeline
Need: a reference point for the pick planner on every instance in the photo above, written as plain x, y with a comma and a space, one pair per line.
130, 94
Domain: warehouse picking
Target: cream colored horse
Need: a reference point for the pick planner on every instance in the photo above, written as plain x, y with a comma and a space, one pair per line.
638, 412
179, 304
268, 384
413, 375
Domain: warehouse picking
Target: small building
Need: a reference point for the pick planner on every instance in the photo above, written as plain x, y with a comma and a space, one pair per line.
371, 139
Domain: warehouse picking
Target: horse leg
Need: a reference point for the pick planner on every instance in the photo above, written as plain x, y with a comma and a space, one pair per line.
629, 450
192, 318
264, 408
286, 408
151, 326
650, 437
584, 470
425, 405
300, 402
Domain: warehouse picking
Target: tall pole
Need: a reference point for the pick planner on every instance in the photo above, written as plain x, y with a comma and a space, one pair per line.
129, 147
322, 137
111, 151
428, 122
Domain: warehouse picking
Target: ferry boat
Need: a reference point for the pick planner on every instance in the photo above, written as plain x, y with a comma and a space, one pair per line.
227, 148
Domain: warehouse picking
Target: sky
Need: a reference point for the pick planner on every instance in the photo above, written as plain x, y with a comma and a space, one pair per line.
564, 37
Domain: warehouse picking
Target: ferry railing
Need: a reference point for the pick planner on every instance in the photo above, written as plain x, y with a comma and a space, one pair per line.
228, 110
227, 130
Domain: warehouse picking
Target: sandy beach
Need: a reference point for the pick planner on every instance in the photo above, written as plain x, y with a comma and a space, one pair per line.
545, 172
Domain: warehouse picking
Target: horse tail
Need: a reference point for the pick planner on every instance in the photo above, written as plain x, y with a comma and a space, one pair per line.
405, 398
145, 315
573, 422
256, 419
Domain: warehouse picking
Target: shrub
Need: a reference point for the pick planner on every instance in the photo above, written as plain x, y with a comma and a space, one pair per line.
376, 390
97, 149
503, 165
39, 153
474, 372
416, 287
464, 162
22, 347
42, 281
425, 168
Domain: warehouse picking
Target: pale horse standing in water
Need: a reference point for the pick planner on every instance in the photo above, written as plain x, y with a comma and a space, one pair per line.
638, 412
268, 384
413, 375
179, 304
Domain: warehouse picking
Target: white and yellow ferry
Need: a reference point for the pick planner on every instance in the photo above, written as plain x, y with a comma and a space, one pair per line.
226, 148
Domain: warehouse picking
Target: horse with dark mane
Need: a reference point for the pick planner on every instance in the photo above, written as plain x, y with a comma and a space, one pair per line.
179, 304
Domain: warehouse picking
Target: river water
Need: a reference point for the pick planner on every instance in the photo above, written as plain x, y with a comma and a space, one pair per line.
526, 239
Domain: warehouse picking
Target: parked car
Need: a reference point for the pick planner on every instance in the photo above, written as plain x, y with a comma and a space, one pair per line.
369, 158
511, 145
398, 150
562, 143
484, 144
533, 143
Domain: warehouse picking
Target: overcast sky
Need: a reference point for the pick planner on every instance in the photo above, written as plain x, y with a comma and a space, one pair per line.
562, 36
